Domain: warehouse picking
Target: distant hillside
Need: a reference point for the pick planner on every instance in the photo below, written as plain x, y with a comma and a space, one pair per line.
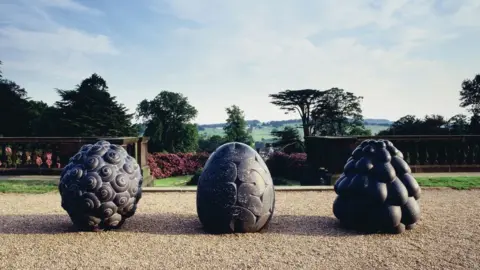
280, 123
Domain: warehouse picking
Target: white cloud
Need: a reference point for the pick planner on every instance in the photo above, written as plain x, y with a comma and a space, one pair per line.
33, 42
68, 5
241, 51
256, 48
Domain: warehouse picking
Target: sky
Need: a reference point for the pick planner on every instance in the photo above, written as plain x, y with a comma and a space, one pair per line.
402, 56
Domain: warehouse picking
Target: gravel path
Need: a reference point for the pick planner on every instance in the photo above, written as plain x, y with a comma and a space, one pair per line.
35, 233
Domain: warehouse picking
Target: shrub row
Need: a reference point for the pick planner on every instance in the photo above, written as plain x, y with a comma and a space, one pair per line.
167, 165
289, 166
162, 165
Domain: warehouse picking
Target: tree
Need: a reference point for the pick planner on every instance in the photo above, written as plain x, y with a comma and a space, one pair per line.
186, 140
236, 126
470, 95
289, 139
458, 124
209, 144
44, 119
411, 125
167, 117
90, 110
301, 101
19, 113
14, 109
337, 113
434, 124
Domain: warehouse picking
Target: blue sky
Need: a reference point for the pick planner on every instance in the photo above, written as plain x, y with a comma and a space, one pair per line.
402, 56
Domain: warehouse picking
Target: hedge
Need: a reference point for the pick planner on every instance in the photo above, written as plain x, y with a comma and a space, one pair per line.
289, 166
167, 165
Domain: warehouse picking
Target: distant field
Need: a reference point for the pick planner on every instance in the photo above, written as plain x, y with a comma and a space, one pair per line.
264, 132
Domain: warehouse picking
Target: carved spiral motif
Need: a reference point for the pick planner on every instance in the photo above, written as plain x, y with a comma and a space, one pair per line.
376, 192
100, 187
235, 191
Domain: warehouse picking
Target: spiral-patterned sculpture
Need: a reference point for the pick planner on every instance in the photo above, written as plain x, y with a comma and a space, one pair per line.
235, 191
376, 192
100, 187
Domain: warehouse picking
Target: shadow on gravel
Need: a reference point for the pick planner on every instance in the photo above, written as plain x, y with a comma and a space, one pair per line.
170, 224
306, 225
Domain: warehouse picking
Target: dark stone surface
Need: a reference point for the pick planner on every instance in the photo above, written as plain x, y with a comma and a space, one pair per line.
376, 192
100, 187
235, 191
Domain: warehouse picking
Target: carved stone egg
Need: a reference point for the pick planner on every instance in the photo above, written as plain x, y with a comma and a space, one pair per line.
235, 191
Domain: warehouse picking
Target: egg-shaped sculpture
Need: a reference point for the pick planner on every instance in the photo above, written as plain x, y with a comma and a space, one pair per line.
376, 191
100, 187
235, 192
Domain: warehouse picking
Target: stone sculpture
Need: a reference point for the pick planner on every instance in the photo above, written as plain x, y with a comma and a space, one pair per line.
100, 187
377, 192
235, 191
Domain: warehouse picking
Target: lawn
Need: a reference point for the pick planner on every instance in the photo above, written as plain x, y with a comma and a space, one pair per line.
44, 186
173, 181
27, 186
460, 182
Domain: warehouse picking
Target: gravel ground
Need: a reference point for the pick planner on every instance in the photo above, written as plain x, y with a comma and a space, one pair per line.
35, 233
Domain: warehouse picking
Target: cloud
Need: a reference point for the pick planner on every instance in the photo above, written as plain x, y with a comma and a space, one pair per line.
402, 56
33, 41
264, 47
68, 5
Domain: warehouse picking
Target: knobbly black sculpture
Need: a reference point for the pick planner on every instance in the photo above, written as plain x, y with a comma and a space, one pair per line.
100, 187
235, 191
376, 192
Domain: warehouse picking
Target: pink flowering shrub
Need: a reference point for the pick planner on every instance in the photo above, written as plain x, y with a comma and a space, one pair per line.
288, 166
163, 165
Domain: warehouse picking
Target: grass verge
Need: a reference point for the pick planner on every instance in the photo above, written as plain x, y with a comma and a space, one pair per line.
27, 186
44, 186
175, 181
460, 182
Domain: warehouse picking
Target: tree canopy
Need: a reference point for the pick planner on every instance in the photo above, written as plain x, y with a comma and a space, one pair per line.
236, 126
470, 95
288, 139
301, 101
90, 110
167, 117
337, 113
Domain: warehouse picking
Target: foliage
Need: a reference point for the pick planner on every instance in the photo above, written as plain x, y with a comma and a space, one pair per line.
470, 95
293, 167
429, 125
15, 110
458, 124
337, 113
164, 165
209, 144
288, 139
236, 126
90, 110
167, 119
194, 180
301, 101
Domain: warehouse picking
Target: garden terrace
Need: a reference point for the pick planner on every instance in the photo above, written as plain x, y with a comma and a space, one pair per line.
437, 153
165, 233
48, 155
